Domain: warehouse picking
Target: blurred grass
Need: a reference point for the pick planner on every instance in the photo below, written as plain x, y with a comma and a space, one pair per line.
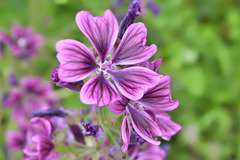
199, 42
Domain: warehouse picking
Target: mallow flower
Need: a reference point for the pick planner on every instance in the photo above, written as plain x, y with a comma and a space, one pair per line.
39, 140
155, 100
78, 62
29, 95
22, 41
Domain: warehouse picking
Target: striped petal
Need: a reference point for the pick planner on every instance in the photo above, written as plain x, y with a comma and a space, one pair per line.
154, 66
76, 60
101, 31
132, 48
126, 132
143, 124
119, 106
167, 126
159, 97
132, 82
98, 90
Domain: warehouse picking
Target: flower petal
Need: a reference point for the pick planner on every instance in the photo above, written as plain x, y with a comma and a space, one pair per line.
77, 132
154, 66
126, 131
98, 90
119, 106
101, 31
143, 124
76, 60
167, 126
159, 97
132, 48
41, 126
132, 82
44, 145
17, 31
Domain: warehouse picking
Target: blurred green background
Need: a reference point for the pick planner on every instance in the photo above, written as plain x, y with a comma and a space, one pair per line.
199, 41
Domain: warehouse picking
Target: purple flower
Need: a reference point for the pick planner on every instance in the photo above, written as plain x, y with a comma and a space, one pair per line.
29, 96
95, 131
77, 61
155, 100
39, 136
74, 86
22, 42
154, 7
15, 140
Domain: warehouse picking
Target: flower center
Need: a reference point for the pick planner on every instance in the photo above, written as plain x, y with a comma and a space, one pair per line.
22, 42
103, 67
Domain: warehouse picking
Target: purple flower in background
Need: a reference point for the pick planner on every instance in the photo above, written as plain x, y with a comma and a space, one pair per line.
77, 61
154, 7
29, 96
22, 42
15, 140
95, 131
38, 140
74, 86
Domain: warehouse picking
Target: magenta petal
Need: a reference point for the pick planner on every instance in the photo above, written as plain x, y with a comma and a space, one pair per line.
132, 48
98, 90
144, 125
132, 82
41, 126
159, 97
126, 132
154, 66
18, 31
101, 31
167, 126
44, 145
4, 37
76, 60
119, 106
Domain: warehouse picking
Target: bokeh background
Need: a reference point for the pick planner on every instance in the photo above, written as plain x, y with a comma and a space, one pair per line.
199, 41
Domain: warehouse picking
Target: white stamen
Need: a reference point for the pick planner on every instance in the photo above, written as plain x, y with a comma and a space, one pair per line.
22, 42
140, 107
